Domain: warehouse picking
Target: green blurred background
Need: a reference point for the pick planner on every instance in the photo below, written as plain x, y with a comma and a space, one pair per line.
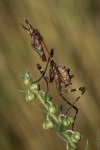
72, 28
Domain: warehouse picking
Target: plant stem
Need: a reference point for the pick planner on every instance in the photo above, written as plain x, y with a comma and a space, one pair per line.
55, 118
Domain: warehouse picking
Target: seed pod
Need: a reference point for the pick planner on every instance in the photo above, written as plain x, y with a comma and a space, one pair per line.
30, 97
76, 136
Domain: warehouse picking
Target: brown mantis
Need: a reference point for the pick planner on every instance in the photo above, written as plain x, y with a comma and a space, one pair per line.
61, 75
36, 39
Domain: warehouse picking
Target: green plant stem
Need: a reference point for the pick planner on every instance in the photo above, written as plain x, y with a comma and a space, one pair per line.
69, 140
42, 101
55, 118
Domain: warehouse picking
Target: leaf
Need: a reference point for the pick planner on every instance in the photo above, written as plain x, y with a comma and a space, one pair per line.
86, 148
28, 71
22, 91
36, 79
42, 110
62, 137
22, 75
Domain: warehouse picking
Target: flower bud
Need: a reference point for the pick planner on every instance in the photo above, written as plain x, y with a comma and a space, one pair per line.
52, 108
48, 124
76, 136
67, 121
28, 81
34, 86
30, 97
47, 97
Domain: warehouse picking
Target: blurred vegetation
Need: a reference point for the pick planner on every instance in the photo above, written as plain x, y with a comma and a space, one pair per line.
72, 28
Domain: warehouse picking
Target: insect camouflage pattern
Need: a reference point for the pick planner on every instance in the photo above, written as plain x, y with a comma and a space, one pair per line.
36, 39
61, 75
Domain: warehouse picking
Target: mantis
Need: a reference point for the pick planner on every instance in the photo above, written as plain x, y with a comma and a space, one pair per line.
59, 74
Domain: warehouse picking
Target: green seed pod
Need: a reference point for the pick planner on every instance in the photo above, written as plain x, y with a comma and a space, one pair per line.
52, 108
48, 124
28, 81
30, 97
34, 86
67, 121
47, 97
76, 137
